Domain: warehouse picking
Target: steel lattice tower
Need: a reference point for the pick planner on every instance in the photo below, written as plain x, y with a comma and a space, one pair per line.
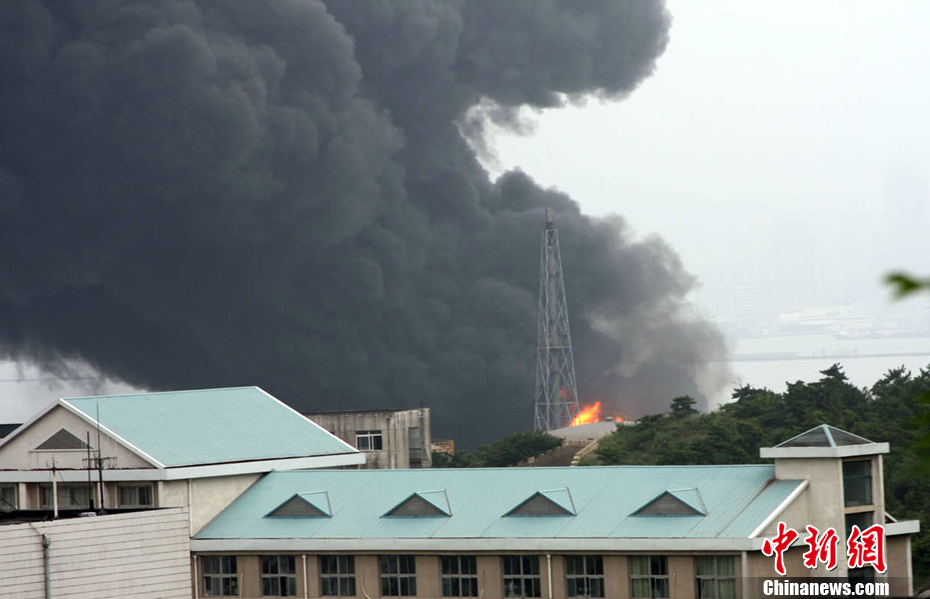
556, 394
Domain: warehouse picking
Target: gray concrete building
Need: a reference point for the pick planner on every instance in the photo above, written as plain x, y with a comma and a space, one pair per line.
388, 438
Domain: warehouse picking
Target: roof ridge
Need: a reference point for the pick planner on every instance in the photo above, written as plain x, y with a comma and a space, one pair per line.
178, 392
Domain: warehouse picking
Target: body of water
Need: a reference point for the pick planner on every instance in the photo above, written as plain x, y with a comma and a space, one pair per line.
772, 362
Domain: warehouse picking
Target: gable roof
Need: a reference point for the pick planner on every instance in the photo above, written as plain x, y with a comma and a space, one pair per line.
204, 427
736, 499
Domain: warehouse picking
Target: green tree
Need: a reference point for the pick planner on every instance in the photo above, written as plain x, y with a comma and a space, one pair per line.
683, 406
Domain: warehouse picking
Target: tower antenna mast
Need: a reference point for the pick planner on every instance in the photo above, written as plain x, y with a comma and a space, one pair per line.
556, 393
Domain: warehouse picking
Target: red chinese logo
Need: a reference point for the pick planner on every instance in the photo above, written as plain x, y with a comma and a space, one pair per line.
867, 547
822, 547
864, 547
777, 546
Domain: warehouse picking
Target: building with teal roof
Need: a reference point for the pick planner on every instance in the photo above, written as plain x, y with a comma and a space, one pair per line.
614, 531
199, 449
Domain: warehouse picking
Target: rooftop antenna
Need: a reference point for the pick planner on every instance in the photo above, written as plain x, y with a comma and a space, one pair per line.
96, 461
88, 463
556, 393
103, 503
54, 490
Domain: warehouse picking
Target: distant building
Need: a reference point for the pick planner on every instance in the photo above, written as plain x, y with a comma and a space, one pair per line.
612, 531
446, 446
195, 449
388, 438
6, 429
589, 431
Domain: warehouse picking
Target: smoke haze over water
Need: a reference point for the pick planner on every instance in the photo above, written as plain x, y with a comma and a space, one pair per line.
202, 194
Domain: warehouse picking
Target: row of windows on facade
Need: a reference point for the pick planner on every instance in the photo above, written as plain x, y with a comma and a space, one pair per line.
715, 576
78, 496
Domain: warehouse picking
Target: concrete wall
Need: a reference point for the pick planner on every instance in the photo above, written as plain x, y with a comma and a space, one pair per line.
394, 426
209, 496
143, 554
821, 504
19, 452
212, 495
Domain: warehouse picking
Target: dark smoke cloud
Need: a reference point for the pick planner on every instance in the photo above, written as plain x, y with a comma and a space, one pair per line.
199, 193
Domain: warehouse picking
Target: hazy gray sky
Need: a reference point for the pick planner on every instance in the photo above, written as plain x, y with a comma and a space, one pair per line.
781, 144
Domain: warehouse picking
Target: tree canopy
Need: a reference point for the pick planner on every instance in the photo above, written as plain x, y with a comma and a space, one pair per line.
892, 410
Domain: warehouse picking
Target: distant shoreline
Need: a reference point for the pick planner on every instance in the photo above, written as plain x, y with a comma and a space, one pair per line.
792, 356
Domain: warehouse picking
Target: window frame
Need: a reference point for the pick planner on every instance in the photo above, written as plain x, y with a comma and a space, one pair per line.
520, 576
47, 502
583, 579
858, 479
137, 487
716, 577
344, 573
6, 504
654, 578
851, 518
457, 576
225, 563
286, 582
404, 575
374, 440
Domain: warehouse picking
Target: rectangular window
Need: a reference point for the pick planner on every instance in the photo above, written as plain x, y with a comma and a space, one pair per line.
135, 496
398, 575
70, 497
716, 577
866, 574
648, 576
584, 575
368, 440
220, 576
279, 576
521, 575
7, 498
416, 447
857, 483
862, 519
337, 575
459, 575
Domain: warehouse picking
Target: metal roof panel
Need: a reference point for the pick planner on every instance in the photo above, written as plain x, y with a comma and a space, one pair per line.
212, 426
736, 499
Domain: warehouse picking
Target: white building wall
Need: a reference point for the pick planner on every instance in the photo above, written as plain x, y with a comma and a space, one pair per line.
19, 452
142, 554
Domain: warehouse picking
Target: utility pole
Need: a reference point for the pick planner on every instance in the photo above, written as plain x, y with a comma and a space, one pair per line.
556, 393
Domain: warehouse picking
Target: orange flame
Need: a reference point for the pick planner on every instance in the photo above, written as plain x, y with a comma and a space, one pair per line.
588, 415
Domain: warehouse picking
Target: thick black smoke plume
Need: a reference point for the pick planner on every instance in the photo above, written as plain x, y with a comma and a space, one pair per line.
210, 193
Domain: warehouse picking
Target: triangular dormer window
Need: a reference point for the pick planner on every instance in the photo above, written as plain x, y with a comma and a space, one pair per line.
680, 502
426, 503
303, 505
545, 503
